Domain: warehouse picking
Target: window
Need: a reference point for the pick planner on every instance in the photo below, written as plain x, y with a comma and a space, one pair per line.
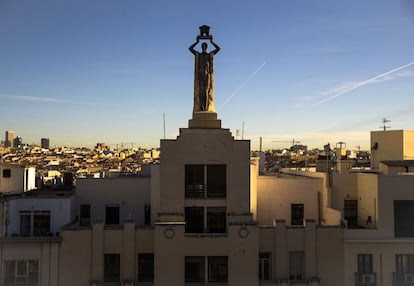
85, 215
265, 262
194, 181
205, 181
216, 181
112, 214
210, 220
216, 220
6, 173
296, 265
25, 223
404, 263
217, 268
147, 214
351, 212
35, 223
365, 263
194, 218
404, 218
194, 269
112, 267
145, 267
41, 223
21, 271
297, 214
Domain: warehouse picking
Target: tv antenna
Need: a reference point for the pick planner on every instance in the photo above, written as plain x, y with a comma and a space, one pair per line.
384, 122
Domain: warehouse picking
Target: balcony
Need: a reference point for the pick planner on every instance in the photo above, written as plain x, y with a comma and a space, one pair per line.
365, 279
403, 279
212, 191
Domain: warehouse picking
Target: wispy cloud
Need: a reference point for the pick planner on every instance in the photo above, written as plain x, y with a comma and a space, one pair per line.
349, 86
40, 99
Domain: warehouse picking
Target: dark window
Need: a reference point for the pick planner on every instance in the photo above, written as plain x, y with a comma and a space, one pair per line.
6, 173
194, 181
41, 223
112, 271
147, 214
203, 181
85, 215
365, 263
404, 263
194, 218
297, 213
296, 265
112, 214
216, 220
217, 269
404, 218
351, 212
194, 269
216, 181
265, 262
21, 272
145, 267
365, 274
25, 223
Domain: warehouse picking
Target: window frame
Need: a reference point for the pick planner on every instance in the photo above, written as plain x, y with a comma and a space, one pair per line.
146, 267
12, 277
112, 218
297, 214
205, 181
110, 274
189, 263
265, 266
6, 173
218, 268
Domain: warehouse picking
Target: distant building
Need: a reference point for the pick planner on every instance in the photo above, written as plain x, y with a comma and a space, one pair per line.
17, 142
9, 138
44, 143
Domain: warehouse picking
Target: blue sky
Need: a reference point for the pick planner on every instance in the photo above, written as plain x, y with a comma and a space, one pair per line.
86, 71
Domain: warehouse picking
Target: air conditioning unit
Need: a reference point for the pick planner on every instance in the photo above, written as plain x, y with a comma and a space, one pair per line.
368, 278
408, 278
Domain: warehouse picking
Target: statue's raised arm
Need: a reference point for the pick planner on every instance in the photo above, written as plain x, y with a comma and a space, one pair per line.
217, 48
191, 48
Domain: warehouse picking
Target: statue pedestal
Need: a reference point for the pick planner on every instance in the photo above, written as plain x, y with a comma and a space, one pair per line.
204, 119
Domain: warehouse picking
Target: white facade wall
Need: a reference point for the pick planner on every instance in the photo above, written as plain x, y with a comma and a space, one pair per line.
131, 194
21, 178
61, 211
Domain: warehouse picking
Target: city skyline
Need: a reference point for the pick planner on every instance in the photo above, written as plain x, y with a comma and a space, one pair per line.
85, 72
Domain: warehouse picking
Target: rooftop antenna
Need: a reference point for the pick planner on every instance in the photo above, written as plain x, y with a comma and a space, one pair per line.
385, 121
243, 131
163, 120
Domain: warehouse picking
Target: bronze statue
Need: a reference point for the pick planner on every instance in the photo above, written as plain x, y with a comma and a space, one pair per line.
203, 72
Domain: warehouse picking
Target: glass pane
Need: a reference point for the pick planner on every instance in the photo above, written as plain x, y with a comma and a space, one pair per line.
216, 181
194, 219
217, 268
146, 267
216, 220
25, 222
111, 267
41, 223
194, 269
194, 181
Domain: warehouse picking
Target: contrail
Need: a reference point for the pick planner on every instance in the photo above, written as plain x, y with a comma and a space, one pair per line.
242, 85
43, 99
364, 82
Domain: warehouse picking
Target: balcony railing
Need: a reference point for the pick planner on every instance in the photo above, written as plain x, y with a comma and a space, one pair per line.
365, 279
403, 279
205, 192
